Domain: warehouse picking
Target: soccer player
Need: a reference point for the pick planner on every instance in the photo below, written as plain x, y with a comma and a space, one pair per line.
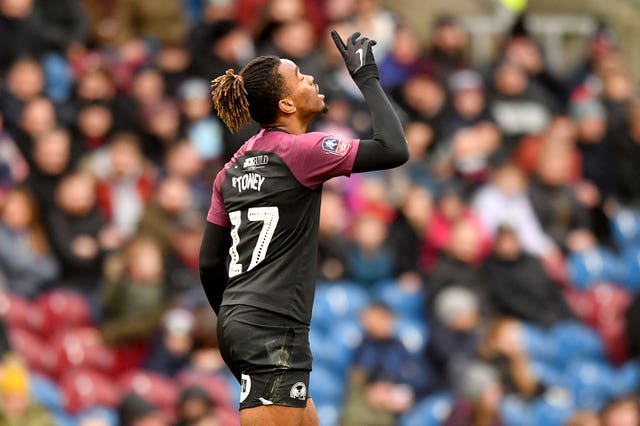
258, 256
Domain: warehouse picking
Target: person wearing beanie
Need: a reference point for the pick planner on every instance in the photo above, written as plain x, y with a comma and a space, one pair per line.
134, 410
16, 406
480, 390
195, 406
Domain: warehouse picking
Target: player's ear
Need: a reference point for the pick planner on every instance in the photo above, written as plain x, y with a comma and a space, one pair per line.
286, 106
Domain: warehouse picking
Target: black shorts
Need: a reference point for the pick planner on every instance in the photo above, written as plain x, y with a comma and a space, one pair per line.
268, 353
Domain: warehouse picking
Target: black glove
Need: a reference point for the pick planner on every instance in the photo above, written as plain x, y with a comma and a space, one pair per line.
358, 56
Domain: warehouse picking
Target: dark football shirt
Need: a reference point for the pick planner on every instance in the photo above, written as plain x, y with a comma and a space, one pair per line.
269, 195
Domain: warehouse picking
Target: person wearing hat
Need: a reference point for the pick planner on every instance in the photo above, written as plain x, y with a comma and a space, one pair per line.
16, 406
134, 410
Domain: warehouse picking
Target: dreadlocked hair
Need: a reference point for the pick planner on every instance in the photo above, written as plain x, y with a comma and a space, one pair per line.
253, 93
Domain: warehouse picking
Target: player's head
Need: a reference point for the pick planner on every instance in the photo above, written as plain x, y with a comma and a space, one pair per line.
267, 90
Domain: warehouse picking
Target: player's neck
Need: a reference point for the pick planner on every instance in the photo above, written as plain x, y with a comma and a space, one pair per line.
290, 124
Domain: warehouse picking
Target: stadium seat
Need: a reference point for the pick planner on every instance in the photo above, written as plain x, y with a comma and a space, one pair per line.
84, 388
105, 414
405, 303
515, 412
81, 347
412, 334
575, 340
18, 311
327, 386
158, 390
33, 348
538, 344
63, 419
589, 382
46, 392
594, 266
337, 301
63, 309
328, 414
625, 227
431, 411
626, 379
552, 409
631, 259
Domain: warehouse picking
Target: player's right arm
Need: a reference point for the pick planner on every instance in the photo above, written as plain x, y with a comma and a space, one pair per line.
213, 263
388, 148
215, 248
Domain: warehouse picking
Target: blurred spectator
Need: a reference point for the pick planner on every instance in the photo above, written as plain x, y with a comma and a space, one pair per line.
94, 125
195, 407
217, 46
561, 133
125, 180
454, 331
172, 201
622, 412
17, 24
79, 235
480, 393
449, 42
332, 245
23, 82
150, 20
202, 129
406, 58
521, 48
554, 201
627, 153
369, 258
450, 212
63, 26
183, 161
13, 167
407, 231
504, 200
518, 107
385, 379
134, 410
519, 285
633, 331
163, 128
170, 351
132, 297
584, 418
27, 264
16, 405
458, 265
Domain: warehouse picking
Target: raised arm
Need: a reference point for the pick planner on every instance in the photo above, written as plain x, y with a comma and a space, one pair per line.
388, 148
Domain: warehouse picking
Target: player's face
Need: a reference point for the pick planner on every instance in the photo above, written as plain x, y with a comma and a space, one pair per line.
302, 90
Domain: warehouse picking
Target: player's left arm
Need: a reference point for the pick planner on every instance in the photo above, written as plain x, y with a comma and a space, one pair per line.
213, 262
388, 148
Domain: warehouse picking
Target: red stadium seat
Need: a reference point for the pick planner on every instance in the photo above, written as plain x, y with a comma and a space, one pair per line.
16, 310
81, 347
84, 388
33, 348
63, 309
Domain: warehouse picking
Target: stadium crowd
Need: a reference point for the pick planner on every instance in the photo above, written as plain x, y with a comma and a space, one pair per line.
492, 280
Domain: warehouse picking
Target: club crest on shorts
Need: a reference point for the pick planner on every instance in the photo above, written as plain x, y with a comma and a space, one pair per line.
245, 386
335, 146
298, 391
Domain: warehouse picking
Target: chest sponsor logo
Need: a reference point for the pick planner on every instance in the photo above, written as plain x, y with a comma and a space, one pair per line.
251, 163
248, 181
335, 146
